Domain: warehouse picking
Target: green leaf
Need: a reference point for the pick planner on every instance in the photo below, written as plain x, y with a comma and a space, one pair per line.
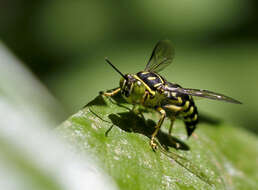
217, 156
31, 155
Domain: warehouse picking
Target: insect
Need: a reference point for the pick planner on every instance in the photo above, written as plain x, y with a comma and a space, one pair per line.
149, 89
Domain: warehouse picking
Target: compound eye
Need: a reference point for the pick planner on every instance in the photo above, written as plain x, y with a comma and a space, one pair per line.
139, 83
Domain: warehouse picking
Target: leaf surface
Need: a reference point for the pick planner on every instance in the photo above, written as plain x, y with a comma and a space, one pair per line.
217, 156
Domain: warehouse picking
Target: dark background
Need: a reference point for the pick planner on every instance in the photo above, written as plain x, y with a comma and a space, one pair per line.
65, 42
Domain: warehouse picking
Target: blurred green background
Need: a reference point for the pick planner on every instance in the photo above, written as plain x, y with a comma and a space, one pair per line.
65, 42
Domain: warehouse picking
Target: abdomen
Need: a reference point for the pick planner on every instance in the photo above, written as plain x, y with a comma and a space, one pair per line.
186, 108
190, 116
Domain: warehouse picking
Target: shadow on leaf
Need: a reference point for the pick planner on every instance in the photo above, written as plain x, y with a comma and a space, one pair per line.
98, 101
130, 122
205, 118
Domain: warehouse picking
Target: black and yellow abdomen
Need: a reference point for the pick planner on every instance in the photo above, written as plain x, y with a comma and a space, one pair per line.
190, 116
181, 105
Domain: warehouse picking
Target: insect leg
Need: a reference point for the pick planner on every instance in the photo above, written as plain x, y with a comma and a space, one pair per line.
172, 119
175, 109
144, 97
136, 110
109, 129
114, 92
163, 115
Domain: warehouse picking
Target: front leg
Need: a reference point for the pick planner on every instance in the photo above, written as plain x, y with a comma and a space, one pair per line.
108, 94
163, 115
112, 93
136, 110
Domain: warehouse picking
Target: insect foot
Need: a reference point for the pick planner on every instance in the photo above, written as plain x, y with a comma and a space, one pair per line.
154, 146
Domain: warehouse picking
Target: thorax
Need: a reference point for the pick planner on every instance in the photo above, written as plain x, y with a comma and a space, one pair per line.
152, 81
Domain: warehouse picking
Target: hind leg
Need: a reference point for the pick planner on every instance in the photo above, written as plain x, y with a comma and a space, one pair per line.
175, 110
172, 119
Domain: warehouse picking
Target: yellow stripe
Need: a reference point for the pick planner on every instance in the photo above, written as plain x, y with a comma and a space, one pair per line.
158, 84
151, 78
187, 103
146, 86
195, 117
144, 73
173, 94
191, 110
191, 119
173, 108
179, 100
160, 78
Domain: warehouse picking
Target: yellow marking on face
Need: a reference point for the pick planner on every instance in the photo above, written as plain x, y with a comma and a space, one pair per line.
195, 117
123, 86
151, 78
158, 84
146, 86
131, 89
145, 72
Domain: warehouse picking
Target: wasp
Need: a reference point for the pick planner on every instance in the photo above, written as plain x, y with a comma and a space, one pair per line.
149, 89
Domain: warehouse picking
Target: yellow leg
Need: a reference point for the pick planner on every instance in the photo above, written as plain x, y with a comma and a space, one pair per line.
114, 92
173, 108
163, 115
172, 119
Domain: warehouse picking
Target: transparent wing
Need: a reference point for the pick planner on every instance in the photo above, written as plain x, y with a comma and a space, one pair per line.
161, 56
204, 94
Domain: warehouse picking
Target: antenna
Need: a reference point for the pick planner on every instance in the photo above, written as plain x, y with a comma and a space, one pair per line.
115, 68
